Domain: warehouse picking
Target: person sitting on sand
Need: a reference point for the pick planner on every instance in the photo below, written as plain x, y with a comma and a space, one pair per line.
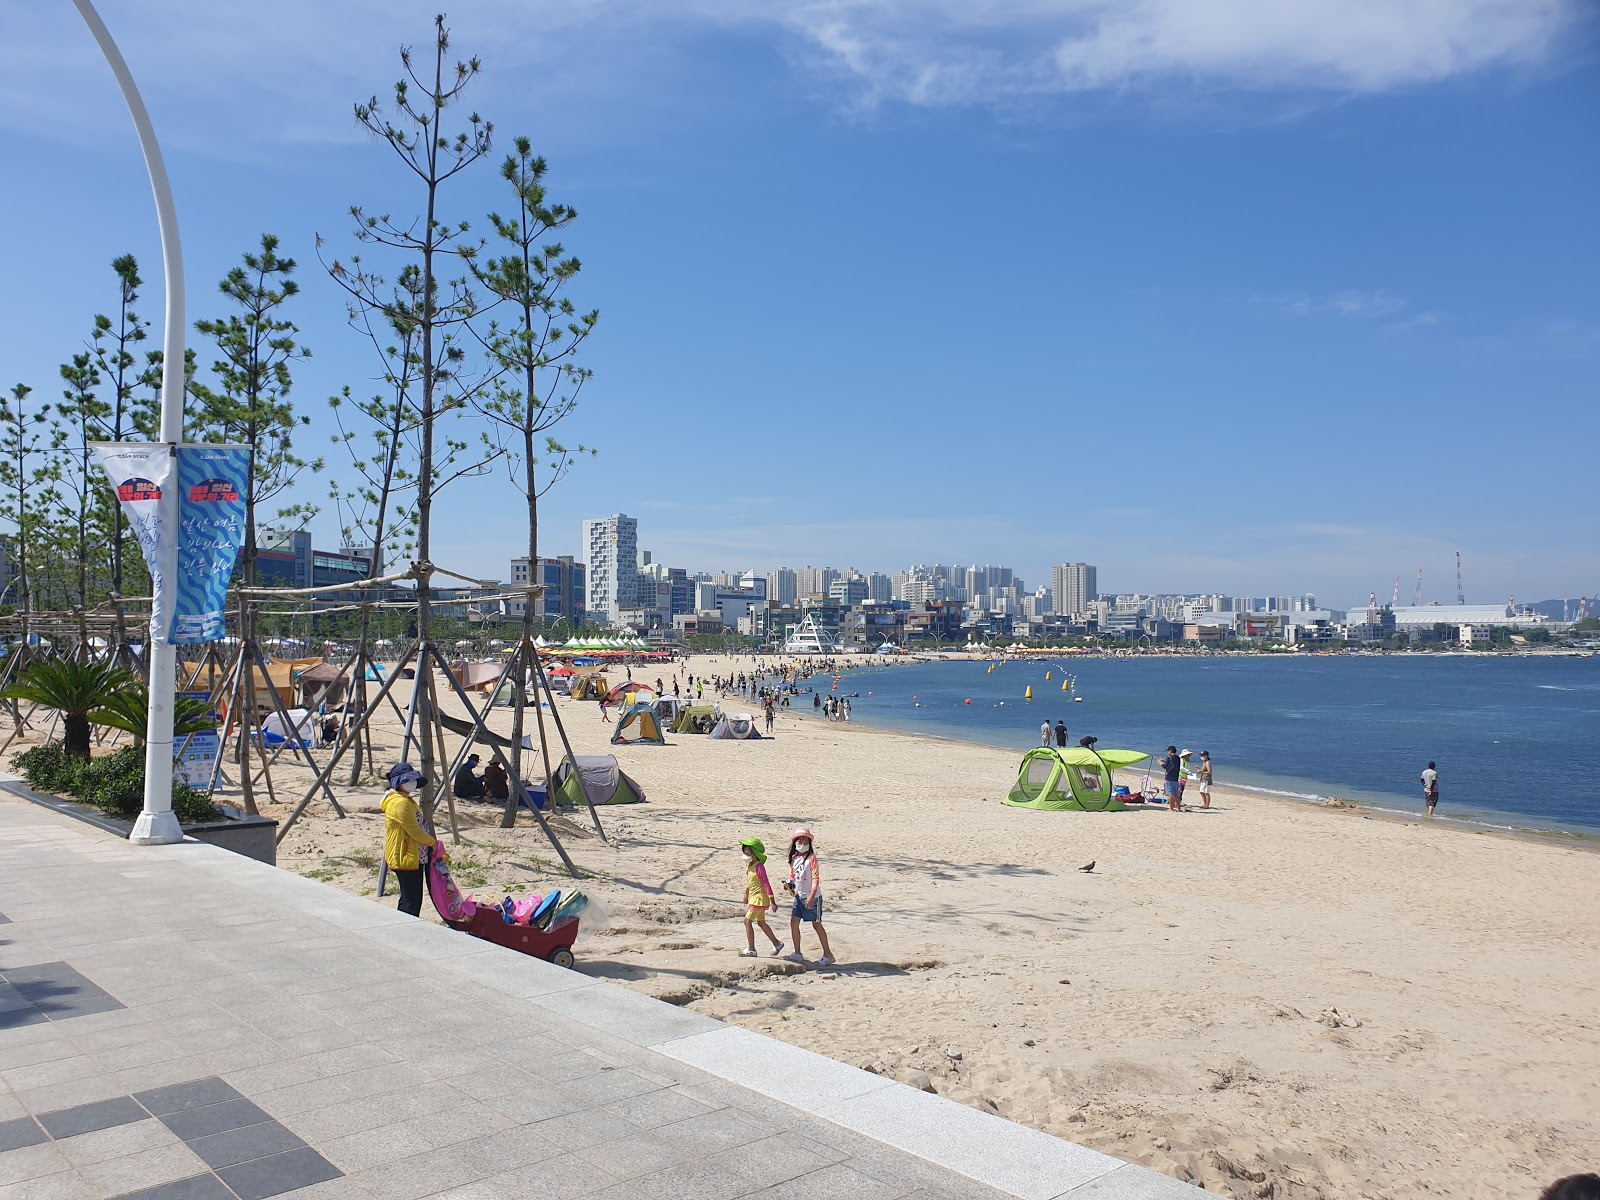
496, 786
758, 897
805, 883
467, 785
404, 836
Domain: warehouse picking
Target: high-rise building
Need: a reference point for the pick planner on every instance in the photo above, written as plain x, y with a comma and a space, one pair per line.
880, 588
563, 581
848, 590
782, 586
814, 581
613, 570
1075, 587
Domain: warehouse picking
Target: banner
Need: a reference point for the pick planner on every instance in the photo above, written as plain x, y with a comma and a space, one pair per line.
139, 472
196, 757
211, 489
210, 482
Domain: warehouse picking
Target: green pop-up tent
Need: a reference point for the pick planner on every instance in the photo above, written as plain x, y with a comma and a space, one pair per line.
1072, 778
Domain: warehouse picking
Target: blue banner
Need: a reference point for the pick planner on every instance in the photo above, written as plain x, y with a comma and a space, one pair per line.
211, 491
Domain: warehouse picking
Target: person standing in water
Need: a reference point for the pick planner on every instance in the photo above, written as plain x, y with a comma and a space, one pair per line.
1430, 787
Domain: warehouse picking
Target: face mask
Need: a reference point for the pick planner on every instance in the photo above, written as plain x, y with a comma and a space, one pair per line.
803, 847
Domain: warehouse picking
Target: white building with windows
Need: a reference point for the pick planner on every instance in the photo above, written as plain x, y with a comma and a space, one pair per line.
612, 581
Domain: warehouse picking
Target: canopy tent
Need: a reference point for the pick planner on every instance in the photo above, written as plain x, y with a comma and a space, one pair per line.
600, 777
629, 687
279, 677
734, 726
1070, 778
695, 718
476, 676
313, 680
638, 723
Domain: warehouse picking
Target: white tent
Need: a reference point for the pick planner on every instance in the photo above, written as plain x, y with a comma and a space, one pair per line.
301, 725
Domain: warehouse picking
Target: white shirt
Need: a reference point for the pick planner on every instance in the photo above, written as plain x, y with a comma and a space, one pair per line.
1430, 779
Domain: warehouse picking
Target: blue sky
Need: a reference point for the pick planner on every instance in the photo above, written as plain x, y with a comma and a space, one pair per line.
1244, 296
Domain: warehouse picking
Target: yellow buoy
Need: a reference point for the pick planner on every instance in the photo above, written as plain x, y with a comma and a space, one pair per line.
1047, 676
1066, 685
1028, 695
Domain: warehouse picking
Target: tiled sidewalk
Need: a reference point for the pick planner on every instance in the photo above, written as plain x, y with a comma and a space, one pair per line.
180, 1023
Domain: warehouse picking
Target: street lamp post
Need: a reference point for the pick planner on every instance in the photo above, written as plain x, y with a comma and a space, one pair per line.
156, 824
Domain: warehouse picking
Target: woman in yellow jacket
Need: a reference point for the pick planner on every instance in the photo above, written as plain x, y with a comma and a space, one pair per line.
404, 836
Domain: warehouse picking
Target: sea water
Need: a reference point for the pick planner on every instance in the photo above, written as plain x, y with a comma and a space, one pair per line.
1516, 739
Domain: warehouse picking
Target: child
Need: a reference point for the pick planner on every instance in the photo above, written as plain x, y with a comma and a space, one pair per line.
758, 898
805, 881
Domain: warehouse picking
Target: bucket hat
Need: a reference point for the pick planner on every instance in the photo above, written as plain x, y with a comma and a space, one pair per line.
755, 846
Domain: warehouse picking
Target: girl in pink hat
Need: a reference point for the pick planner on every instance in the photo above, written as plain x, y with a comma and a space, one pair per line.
805, 882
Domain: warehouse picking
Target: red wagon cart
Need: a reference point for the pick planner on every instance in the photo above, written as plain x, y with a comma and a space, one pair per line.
549, 935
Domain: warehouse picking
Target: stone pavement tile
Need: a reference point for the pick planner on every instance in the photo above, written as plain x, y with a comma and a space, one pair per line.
1136, 1183
196, 1187
418, 1176
343, 1188
837, 1183
144, 1169
713, 1132
86, 1118
890, 1165
68, 1185
21, 1018
220, 1060
57, 1070
10, 1107
241, 1145
508, 1150
86, 1149
141, 1053
67, 1095
197, 1093
525, 1100
564, 1177
660, 1107
278, 1173
578, 1131
772, 1160
269, 1077
30, 1162
642, 1153
450, 1127
776, 1069
627, 1015
358, 1152
697, 1181
163, 1074
19, 1132
305, 1097
194, 1123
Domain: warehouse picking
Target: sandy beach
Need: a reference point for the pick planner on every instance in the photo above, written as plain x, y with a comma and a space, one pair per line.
1268, 999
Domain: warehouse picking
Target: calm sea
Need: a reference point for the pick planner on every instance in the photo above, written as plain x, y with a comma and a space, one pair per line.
1517, 740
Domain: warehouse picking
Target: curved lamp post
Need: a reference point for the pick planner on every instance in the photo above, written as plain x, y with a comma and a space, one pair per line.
156, 824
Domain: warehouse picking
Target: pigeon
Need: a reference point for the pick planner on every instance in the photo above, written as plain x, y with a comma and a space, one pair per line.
1088, 866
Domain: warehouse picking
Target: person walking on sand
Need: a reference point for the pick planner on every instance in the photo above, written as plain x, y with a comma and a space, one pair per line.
1061, 734
758, 897
605, 709
769, 717
1430, 787
1046, 733
1172, 766
1205, 779
805, 883
404, 836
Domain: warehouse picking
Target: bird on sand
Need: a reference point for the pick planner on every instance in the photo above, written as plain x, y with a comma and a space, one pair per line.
1088, 866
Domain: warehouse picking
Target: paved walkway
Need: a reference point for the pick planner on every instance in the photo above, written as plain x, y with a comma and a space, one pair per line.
181, 1023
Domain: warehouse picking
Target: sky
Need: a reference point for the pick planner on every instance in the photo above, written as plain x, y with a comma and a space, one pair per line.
1242, 296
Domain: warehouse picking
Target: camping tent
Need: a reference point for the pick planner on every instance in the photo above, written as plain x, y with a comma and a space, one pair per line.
695, 718
735, 726
605, 782
301, 726
667, 710
1070, 778
324, 684
629, 687
589, 687
638, 723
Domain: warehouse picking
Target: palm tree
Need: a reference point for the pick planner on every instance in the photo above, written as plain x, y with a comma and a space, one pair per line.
129, 711
75, 690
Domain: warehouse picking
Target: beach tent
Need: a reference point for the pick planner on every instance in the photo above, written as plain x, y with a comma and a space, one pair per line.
629, 687
666, 709
589, 687
1070, 778
638, 723
695, 718
301, 726
600, 777
735, 726
313, 680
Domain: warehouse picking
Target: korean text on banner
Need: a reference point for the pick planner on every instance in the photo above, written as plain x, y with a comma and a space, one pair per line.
138, 472
211, 482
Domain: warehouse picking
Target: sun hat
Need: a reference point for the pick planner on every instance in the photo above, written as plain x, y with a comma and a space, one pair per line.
756, 848
803, 831
404, 775
1185, 753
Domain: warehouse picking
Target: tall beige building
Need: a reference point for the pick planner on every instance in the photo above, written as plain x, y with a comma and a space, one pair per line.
1075, 586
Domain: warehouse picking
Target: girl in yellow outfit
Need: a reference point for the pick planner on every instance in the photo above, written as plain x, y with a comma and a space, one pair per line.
404, 836
758, 899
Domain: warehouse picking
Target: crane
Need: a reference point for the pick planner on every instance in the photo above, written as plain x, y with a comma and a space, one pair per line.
1395, 603
1416, 596
1461, 596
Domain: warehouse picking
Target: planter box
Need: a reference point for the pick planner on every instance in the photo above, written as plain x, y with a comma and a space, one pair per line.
253, 837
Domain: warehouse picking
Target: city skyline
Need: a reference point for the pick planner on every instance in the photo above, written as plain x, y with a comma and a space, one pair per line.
1236, 315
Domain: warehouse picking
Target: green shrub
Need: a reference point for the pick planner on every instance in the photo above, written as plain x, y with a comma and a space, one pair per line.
48, 768
114, 784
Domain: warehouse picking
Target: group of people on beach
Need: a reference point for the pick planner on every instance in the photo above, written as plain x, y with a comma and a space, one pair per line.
804, 885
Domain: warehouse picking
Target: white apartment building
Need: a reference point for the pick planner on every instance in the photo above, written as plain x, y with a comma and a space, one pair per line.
1075, 587
612, 582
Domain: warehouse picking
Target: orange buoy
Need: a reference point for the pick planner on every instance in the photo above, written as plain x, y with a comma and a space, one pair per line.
968, 700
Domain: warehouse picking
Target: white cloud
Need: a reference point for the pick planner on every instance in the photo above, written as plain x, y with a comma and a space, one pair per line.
278, 72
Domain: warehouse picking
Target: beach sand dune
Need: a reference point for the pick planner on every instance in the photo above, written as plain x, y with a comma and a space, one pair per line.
1269, 999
